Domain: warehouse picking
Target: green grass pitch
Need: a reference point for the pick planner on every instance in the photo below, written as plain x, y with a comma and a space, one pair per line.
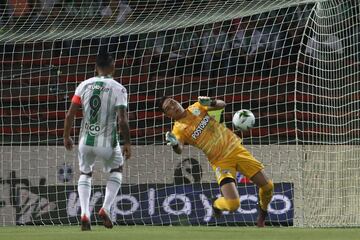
176, 233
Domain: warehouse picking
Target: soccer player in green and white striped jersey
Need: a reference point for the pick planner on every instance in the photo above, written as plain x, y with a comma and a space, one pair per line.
103, 101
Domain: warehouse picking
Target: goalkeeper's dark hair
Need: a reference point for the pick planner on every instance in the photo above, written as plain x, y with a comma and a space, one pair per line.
160, 103
104, 60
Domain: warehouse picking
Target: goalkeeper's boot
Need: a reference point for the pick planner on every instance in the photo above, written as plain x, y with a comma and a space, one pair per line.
85, 223
217, 213
105, 216
261, 217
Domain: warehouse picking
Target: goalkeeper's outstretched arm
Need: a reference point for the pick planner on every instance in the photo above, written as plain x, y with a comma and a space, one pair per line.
212, 104
172, 141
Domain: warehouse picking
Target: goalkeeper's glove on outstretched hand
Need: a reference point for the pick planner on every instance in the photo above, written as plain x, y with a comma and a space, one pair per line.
205, 101
171, 139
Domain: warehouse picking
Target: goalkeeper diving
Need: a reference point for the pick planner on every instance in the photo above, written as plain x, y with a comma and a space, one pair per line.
223, 148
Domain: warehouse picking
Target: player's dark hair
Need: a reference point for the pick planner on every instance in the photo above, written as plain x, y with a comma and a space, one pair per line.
160, 103
104, 60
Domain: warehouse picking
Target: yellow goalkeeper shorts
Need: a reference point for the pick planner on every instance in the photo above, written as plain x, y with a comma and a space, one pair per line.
240, 160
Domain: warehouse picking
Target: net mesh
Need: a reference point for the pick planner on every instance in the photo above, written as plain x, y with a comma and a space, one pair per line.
292, 63
327, 124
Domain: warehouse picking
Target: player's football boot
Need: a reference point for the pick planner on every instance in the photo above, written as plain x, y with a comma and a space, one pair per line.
261, 217
85, 223
217, 213
105, 216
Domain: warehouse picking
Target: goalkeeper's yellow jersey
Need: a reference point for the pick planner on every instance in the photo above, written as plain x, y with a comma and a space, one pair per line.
204, 132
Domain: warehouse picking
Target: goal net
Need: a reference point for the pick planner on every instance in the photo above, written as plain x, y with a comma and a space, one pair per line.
294, 64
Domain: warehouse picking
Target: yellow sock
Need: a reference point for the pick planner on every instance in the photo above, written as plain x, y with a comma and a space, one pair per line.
227, 204
265, 194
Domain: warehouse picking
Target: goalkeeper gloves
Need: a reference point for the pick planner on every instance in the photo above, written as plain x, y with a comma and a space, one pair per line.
206, 101
171, 139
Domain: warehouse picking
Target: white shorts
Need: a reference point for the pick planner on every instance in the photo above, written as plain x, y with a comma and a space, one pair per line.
111, 157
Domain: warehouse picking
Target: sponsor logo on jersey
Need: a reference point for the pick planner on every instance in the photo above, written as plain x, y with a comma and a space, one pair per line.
93, 129
100, 88
204, 122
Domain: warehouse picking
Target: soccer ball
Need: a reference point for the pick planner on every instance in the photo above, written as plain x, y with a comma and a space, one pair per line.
243, 120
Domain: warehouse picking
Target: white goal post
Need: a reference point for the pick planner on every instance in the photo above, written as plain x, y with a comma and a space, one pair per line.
294, 64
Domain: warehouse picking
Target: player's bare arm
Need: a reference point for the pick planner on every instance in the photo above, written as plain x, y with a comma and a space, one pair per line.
69, 118
212, 104
125, 131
